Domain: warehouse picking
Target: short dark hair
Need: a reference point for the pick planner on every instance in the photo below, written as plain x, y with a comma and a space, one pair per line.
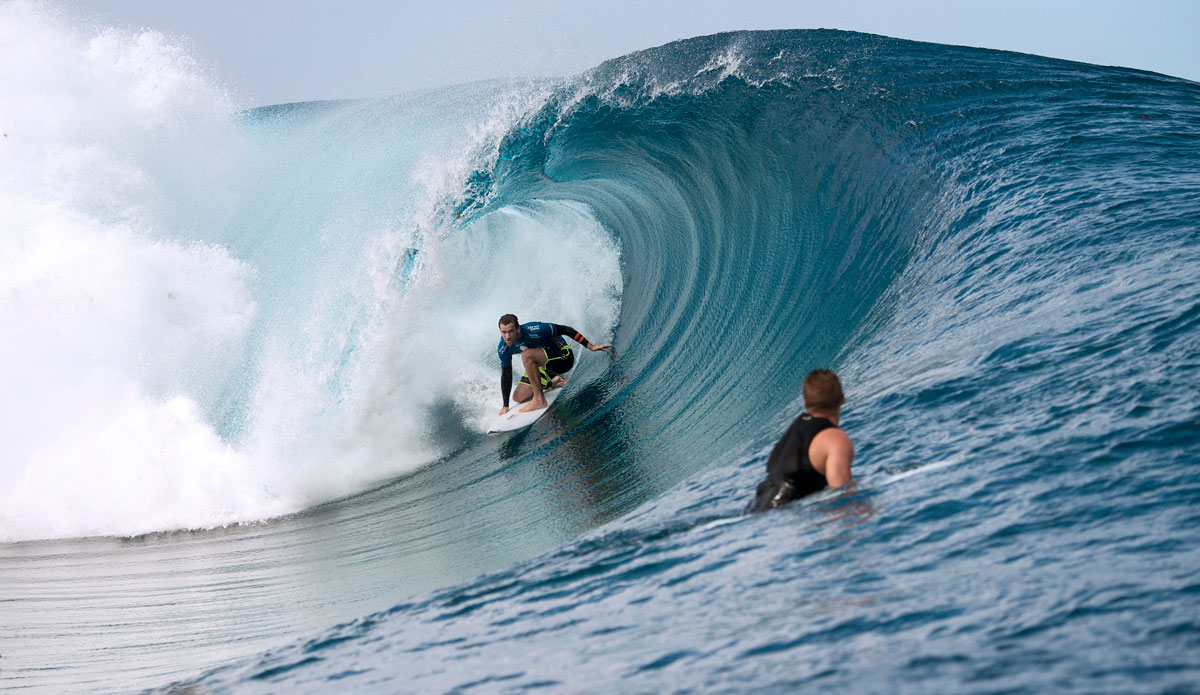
823, 390
509, 320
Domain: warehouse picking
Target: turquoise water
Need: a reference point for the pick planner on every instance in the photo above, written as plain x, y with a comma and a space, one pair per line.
996, 251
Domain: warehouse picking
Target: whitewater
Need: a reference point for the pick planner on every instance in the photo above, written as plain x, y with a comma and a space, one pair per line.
248, 359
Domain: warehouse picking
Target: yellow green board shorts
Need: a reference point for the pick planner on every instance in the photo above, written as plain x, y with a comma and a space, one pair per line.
558, 362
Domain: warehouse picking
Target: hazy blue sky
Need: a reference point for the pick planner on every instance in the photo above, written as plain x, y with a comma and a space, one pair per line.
274, 51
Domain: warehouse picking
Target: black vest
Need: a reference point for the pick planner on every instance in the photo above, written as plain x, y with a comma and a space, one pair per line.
790, 475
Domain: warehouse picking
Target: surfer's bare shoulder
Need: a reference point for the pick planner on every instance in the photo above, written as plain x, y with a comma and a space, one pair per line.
831, 454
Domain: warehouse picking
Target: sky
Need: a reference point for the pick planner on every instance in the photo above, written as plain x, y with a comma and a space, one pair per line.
279, 51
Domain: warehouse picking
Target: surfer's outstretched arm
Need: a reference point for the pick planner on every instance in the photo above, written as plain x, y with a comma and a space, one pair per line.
578, 337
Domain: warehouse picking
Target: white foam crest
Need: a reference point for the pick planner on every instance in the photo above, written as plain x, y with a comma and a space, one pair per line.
116, 338
440, 174
723, 64
112, 123
640, 81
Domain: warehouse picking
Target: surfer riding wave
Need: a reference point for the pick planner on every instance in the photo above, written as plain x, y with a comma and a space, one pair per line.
543, 351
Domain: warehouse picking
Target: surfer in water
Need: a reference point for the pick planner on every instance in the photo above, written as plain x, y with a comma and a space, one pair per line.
543, 352
814, 453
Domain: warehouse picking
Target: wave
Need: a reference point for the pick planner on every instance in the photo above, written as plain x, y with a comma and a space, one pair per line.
217, 317
266, 328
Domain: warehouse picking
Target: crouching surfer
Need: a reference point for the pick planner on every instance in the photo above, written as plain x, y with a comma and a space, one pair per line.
814, 453
543, 352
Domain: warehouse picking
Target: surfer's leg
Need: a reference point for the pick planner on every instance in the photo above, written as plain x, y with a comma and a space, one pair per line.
542, 375
558, 366
534, 359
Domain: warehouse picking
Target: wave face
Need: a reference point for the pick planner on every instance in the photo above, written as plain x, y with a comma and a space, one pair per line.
997, 252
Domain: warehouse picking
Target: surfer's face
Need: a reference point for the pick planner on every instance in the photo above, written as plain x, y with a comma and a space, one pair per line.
511, 333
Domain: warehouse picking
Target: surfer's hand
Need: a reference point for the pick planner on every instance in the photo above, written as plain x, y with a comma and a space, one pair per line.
504, 410
594, 347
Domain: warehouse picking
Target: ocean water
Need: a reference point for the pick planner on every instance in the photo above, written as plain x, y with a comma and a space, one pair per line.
248, 361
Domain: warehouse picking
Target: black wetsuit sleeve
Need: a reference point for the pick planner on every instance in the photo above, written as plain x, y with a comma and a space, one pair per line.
505, 383
570, 333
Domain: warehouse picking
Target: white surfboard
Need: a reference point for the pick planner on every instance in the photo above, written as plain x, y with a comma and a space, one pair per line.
514, 419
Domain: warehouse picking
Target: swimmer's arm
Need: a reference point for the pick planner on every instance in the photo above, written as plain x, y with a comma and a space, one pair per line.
835, 447
577, 337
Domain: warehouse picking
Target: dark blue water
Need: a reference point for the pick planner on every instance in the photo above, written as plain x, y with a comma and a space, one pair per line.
997, 252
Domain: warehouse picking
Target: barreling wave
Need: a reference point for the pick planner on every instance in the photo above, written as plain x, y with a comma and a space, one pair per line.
996, 251
783, 199
215, 317
734, 209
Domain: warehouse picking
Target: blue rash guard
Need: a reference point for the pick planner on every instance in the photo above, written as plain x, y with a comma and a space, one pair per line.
534, 334
547, 336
